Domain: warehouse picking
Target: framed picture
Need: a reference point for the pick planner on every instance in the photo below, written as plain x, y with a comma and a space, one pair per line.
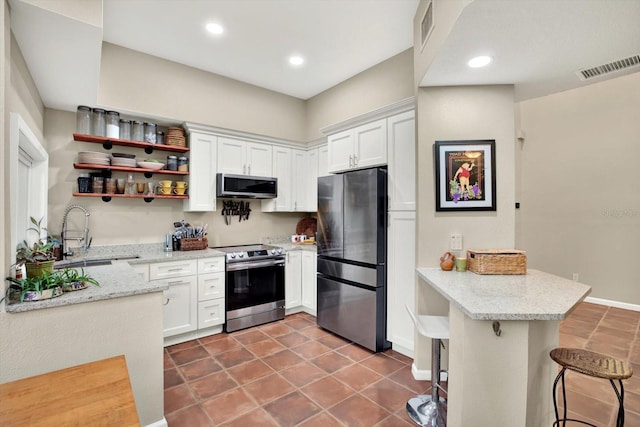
465, 175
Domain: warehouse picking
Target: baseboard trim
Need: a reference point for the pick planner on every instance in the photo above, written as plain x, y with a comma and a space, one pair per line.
611, 303
161, 423
425, 374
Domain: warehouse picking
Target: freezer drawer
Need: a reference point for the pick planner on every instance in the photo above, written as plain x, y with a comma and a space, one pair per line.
352, 312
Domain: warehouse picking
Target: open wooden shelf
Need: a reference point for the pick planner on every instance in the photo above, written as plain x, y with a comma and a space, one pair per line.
106, 197
128, 169
108, 143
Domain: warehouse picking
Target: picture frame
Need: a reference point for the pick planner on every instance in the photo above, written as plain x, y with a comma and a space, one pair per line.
465, 175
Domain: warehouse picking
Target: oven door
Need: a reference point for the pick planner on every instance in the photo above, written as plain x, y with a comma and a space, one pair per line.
254, 283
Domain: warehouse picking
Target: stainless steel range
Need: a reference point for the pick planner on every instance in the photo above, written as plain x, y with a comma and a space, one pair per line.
254, 286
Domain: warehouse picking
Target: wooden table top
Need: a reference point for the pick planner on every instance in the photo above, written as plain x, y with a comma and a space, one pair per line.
97, 394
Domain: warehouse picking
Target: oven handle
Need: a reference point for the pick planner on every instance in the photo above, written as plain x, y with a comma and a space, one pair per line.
246, 265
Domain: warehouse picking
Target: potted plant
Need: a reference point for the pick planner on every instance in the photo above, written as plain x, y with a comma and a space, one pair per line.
74, 280
38, 257
48, 285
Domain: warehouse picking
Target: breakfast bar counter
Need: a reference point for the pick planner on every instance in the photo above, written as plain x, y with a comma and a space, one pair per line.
502, 328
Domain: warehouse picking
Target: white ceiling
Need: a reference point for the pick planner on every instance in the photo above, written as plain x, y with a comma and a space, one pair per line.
538, 45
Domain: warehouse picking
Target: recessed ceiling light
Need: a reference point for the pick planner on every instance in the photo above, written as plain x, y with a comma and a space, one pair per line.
214, 28
296, 60
479, 61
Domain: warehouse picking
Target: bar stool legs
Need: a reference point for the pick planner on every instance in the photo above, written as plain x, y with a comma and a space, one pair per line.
429, 411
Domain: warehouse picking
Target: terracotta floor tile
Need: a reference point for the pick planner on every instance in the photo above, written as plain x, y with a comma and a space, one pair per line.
631, 401
182, 346
355, 352
608, 349
250, 371
302, 374
572, 341
282, 360
234, 357
292, 339
250, 336
589, 407
192, 416
628, 335
269, 388
167, 361
631, 419
212, 338
578, 329
331, 362
211, 385
404, 377
292, 409
619, 323
358, 411
265, 348
398, 356
199, 368
228, 406
222, 345
276, 329
395, 421
388, 394
300, 323
257, 417
172, 378
333, 341
310, 349
327, 392
614, 340
382, 364
596, 388
176, 398
323, 419
314, 332
357, 376
189, 355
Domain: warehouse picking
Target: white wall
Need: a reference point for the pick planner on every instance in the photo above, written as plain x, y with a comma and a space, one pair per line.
580, 201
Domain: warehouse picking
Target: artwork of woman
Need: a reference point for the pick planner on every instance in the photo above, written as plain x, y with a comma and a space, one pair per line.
463, 173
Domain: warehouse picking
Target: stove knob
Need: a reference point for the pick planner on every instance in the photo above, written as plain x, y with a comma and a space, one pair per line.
279, 251
273, 251
241, 255
232, 255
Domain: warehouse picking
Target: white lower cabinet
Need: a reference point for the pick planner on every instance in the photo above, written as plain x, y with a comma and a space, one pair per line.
300, 281
293, 280
195, 298
309, 281
401, 278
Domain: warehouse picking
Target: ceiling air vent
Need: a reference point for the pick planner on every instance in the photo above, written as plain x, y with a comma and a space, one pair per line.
611, 67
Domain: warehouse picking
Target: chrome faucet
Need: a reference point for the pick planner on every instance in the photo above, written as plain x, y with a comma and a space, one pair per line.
66, 251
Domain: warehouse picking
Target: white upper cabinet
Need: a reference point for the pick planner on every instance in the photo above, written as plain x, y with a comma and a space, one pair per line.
361, 147
323, 161
300, 186
239, 157
401, 140
290, 166
202, 179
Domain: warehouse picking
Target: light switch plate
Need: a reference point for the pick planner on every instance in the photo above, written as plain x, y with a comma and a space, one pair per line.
456, 242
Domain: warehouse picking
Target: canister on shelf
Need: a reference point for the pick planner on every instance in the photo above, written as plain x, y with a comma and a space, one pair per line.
83, 120
98, 122
84, 183
137, 131
113, 124
159, 137
183, 164
150, 133
125, 129
172, 163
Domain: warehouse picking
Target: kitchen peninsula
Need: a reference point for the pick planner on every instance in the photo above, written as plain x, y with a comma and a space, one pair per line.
502, 328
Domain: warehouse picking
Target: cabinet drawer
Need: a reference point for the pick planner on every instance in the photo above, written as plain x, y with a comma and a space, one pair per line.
165, 270
211, 286
211, 313
211, 265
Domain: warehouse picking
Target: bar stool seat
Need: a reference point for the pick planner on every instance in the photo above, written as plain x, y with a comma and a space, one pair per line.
594, 365
428, 410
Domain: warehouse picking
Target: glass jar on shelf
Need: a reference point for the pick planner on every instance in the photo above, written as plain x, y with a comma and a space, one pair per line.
150, 133
113, 124
98, 122
125, 129
172, 163
183, 164
83, 120
137, 131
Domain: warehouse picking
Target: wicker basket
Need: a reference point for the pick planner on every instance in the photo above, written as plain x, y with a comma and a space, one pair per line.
193, 244
497, 261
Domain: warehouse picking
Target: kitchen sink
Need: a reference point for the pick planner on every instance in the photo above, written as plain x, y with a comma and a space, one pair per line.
91, 262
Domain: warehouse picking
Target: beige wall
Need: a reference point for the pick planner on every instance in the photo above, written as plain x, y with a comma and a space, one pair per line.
580, 202
138, 83
460, 113
381, 85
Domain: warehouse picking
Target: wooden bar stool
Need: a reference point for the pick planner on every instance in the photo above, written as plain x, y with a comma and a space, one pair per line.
427, 410
594, 365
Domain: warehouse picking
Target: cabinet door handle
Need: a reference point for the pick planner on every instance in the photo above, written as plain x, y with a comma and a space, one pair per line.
168, 299
171, 270
350, 160
177, 282
355, 160
249, 170
244, 169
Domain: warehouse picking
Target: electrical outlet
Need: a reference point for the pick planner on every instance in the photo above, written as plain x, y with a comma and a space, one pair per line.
576, 277
456, 242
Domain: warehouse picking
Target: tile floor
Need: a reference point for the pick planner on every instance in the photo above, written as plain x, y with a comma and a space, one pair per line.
292, 373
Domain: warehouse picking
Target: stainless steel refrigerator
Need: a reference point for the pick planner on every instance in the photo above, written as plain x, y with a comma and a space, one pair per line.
352, 256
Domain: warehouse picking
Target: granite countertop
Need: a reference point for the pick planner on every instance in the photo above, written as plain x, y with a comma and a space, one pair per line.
117, 279
532, 296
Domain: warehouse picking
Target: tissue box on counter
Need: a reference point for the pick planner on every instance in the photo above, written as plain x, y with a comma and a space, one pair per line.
497, 261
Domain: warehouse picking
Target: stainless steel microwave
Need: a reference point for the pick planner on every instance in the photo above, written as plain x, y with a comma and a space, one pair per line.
246, 186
